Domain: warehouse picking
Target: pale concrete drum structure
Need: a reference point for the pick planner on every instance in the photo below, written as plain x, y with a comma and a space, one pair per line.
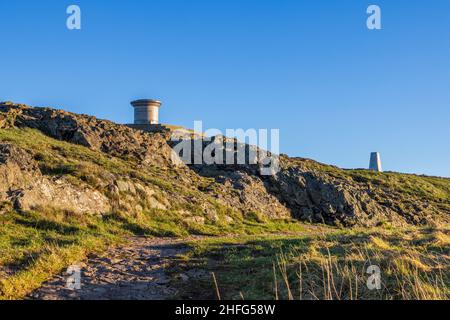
146, 115
375, 162
146, 111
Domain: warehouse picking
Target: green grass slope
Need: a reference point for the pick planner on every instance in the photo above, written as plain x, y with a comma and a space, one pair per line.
37, 244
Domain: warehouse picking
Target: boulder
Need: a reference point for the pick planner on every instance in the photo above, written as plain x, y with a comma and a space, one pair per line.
23, 185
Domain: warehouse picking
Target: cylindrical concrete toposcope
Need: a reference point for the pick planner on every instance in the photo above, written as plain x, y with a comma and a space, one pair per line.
146, 111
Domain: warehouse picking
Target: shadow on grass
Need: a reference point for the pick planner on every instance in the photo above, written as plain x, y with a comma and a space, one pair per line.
48, 225
248, 269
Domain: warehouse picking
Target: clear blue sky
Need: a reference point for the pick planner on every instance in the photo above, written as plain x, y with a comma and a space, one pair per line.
336, 90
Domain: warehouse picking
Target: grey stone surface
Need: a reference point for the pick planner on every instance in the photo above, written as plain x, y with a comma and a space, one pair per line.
24, 186
149, 127
303, 189
134, 271
375, 162
146, 111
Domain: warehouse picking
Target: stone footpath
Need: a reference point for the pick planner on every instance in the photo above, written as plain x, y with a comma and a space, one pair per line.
134, 271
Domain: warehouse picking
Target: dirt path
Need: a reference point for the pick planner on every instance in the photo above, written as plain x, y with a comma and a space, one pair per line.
134, 271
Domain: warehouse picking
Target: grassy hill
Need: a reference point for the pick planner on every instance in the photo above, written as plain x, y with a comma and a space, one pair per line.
73, 185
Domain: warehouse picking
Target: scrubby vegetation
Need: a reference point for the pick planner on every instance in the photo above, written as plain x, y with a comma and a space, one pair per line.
325, 264
406, 194
37, 244
253, 251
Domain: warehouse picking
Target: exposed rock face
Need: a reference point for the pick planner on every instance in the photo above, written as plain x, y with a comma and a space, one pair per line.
116, 140
302, 189
317, 197
22, 184
304, 194
247, 191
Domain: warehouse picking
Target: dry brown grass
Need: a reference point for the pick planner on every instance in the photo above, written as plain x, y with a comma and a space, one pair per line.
415, 269
414, 264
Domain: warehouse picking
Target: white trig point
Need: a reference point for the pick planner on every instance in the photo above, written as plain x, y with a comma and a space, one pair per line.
375, 162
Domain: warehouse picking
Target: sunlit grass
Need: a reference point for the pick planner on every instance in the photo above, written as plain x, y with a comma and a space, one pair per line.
252, 257
329, 265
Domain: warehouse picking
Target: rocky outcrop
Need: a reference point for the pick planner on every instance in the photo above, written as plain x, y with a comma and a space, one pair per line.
302, 189
116, 140
318, 197
240, 189
307, 195
23, 185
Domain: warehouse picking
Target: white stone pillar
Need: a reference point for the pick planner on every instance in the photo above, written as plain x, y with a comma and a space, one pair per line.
375, 162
